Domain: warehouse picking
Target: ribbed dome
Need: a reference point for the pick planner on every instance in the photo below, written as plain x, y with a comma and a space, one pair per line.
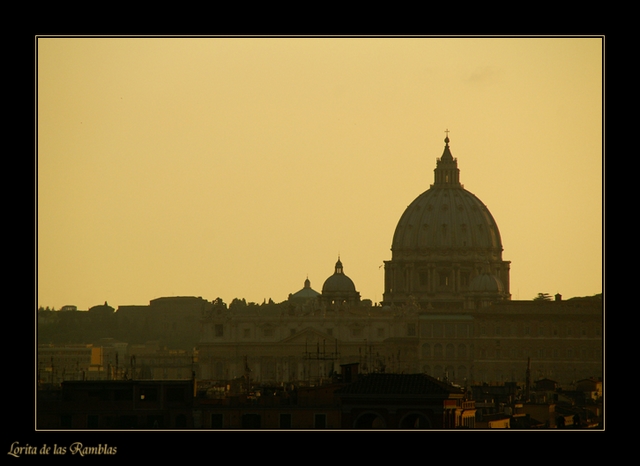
446, 216
444, 239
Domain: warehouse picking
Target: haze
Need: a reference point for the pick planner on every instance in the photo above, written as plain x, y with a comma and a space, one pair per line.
238, 167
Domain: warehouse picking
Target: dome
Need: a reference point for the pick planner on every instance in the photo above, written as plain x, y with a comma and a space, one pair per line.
339, 288
446, 216
338, 282
305, 293
486, 283
444, 239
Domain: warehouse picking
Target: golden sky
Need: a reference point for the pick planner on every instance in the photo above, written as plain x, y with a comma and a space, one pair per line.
237, 167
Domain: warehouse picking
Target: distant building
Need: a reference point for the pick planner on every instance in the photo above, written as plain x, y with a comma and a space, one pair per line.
403, 401
119, 404
69, 362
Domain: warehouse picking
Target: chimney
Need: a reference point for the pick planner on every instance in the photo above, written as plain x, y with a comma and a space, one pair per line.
558, 297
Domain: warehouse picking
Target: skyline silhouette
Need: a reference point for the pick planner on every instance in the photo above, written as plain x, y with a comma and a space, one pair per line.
238, 167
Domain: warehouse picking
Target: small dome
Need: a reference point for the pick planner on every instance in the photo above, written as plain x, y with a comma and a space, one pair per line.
305, 293
338, 282
339, 289
486, 283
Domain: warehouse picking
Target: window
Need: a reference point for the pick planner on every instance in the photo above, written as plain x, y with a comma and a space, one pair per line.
356, 332
246, 333
218, 330
424, 278
411, 330
449, 330
148, 394
181, 421
450, 351
251, 421
123, 394
155, 421
285, 421
175, 394
380, 332
268, 332
217, 421
320, 421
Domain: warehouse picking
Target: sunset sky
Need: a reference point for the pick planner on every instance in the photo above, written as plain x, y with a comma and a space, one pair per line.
238, 167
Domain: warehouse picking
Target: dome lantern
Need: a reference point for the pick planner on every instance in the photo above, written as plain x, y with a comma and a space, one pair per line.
446, 172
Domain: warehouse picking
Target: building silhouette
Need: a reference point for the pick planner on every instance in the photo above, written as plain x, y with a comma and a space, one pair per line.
446, 246
446, 321
446, 311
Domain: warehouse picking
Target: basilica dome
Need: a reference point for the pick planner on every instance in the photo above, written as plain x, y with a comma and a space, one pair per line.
446, 216
444, 239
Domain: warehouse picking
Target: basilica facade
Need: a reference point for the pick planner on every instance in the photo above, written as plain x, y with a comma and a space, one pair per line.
446, 311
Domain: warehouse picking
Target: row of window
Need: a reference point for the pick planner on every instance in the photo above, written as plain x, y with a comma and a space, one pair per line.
544, 353
541, 331
451, 331
270, 331
450, 351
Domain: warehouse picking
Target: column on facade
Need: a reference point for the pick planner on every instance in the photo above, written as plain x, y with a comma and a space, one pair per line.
456, 278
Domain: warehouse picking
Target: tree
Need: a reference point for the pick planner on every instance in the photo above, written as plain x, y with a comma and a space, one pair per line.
542, 297
237, 304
